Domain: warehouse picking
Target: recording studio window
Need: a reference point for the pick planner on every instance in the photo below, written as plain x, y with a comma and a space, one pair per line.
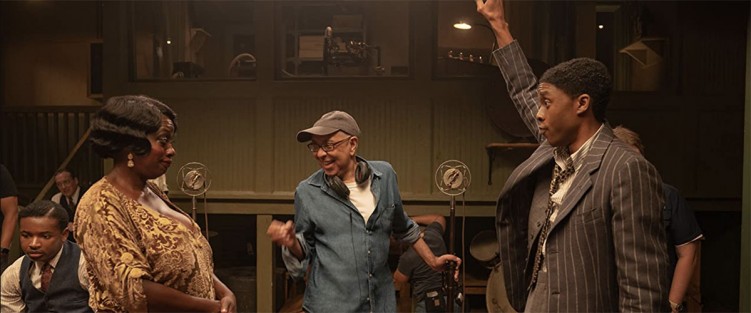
343, 39
192, 40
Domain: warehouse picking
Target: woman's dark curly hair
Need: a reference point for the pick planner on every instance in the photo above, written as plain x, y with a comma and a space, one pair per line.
124, 122
583, 75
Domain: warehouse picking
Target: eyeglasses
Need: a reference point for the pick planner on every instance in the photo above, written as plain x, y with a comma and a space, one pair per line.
328, 147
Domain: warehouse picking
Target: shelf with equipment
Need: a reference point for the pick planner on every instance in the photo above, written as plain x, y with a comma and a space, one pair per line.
343, 39
321, 51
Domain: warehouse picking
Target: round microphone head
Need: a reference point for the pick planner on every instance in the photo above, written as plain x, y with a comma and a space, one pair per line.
452, 177
194, 178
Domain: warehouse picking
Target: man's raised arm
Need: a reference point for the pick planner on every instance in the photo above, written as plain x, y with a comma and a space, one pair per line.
521, 82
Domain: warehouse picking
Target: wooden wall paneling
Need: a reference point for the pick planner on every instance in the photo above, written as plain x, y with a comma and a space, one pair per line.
292, 161
399, 132
461, 131
720, 155
713, 39
219, 133
37, 139
44, 147
266, 142
50, 140
26, 143
394, 130
667, 147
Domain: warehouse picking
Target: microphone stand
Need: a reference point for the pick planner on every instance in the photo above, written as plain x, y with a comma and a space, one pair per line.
452, 178
452, 265
194, 207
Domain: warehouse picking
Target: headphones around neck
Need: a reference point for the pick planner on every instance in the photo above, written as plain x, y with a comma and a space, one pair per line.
362, 174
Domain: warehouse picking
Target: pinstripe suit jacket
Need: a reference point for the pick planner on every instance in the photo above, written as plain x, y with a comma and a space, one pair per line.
606, 250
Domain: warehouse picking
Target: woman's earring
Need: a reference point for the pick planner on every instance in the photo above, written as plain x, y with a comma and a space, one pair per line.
130, 160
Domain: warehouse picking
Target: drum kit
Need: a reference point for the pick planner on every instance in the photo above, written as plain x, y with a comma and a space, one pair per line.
484, 248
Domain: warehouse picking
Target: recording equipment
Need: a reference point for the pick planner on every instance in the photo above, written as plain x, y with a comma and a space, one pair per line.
328, 41
243, 65
341, 51
194, 180
435, 301
362, 174
328, 38
452, 178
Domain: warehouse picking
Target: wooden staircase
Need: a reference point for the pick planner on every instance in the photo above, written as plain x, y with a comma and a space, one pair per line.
36, 140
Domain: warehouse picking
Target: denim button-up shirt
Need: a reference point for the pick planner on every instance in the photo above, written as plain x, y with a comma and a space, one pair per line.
348, 258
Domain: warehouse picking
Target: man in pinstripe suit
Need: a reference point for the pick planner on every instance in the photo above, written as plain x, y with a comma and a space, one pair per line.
579, 223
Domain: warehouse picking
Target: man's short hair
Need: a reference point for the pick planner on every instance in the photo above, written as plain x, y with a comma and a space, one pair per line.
583, 75
629, 136
69, 171
46, 208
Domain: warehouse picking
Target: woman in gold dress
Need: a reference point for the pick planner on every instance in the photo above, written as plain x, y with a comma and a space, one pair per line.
143, 252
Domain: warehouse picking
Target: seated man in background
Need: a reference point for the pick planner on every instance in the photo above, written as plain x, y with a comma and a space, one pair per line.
70, 192
52, 276
427, 284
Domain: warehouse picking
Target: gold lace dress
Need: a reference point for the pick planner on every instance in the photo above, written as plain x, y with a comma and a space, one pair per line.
125, 242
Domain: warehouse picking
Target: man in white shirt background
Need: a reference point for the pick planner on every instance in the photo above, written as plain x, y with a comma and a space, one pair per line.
70, 192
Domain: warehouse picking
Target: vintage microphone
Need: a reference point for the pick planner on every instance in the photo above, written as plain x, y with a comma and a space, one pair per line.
194, 180
452, 178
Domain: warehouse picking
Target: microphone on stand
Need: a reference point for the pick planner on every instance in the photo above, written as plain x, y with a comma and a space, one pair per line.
194, 180
452, 178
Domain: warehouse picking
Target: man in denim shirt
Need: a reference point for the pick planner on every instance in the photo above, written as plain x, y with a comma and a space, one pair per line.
344, 215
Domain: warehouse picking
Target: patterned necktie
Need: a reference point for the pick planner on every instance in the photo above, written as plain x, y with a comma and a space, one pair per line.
46, 276
559, 176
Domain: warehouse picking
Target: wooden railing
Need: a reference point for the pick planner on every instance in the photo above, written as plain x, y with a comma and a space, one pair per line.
36, 141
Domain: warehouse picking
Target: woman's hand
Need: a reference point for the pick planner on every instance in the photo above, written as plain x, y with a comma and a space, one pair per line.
228, 303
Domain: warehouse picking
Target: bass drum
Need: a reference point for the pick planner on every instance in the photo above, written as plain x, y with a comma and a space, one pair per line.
496, 300
484, 248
